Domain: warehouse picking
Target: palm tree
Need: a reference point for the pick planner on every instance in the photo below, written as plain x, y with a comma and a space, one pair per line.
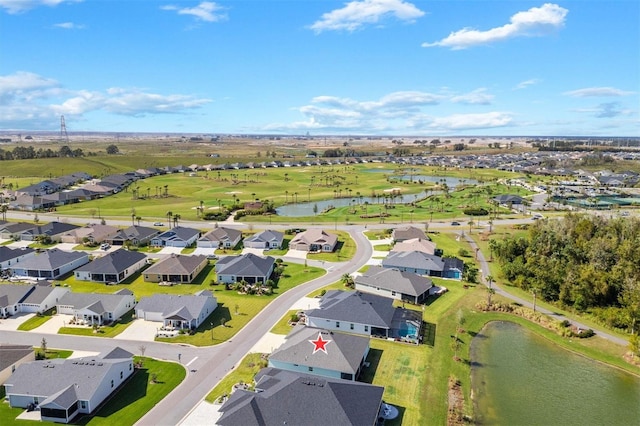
347, 280
176, 219
133, 218
169, 217
489, 279
3, 210
490, 292
138, 219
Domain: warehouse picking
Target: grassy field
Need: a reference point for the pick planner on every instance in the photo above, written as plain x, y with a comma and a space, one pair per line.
244, 372
128, 405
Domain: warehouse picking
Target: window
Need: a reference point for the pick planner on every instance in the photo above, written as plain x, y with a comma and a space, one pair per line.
393, 293
310, 368
366, 328
83, 405
351, 327
130, 367
121, 375
337, 324
111, 383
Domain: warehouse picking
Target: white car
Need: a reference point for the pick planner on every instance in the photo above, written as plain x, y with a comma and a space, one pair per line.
158, 224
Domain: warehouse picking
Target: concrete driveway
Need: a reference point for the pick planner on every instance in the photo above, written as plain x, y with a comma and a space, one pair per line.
171, 250
140, 330
12, 323
53, 325
257, 252
298, 254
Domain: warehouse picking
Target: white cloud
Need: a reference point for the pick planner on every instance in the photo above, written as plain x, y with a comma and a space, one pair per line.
356, 14
69, 26
472, 121
536, 21
475, 97
19, 6
597, 92
527, 83
30, 100
206, 11
607, 110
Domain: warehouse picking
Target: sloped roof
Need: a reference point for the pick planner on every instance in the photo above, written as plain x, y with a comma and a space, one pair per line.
51, 259
356, 307
413, 259
416, 244
10, 354
187, 307
177, 264
113, 262
288, 398
222, 234
96, 302
408, 233
7, 253
394, 280
247, 265
179, 233
344, 352
267, 236
314, 236
11, 294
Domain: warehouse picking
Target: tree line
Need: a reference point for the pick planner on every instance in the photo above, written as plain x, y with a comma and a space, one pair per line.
587, 263
29, 152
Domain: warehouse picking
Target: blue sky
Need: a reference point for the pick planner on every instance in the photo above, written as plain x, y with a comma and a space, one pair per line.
368, 67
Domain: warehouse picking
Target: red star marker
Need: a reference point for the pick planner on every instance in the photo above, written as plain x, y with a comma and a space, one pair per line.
319, 344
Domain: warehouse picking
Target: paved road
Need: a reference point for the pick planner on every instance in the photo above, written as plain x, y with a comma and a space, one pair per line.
205, 366
484, 267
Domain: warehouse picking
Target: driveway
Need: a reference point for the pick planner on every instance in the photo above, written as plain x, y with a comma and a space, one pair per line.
20, 244
66, 246
140, 330
171, 250
298, 254
12, 323
53, 325
256, 251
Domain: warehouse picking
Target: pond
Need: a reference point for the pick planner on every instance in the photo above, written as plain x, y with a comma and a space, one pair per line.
520, 378
306, 209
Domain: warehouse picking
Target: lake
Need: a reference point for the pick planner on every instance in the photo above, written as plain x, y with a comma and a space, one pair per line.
520, 378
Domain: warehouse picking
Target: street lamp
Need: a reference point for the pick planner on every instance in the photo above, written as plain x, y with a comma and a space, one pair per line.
212, 331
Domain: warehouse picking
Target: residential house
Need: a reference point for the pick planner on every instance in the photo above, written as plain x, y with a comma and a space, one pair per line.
134, 235
176, 237
9, 257
28, 298
353, 312
394, 284
314, 240
221, 237
50, 264
53, 230
408, 233
248, 267
63, 388
265, 240
93, 233
177, 311
176, 268
508, 199
96, 308
417, 244
336, 355
11, 356
12, 230
113, 267
288, 398
425, 264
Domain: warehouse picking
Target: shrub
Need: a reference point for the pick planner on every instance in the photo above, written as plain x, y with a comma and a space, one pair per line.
476, 212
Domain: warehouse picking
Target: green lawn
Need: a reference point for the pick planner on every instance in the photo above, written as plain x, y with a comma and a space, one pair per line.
244, 372
128, 405
111, 330
282, 326
34, 322
345, 249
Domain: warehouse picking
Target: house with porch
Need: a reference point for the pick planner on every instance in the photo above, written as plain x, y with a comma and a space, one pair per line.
11, 356
394, 284
267, 239
134, 235
353, 312
341, 356
425, 264
176, 268
53, 230
220, 237
50, 264
408, 233
96, 308
290, 398
176, 237
28, 298
114, 267
314, 240
249, 267
10, 257
177, 311
417, 244
61, 389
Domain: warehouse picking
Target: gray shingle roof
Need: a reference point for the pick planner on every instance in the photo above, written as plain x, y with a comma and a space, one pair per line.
96, 302
355, 307
247, 265
222, 234
267, 236
413, 259
408, 233
113, 262
177, 264
344, 352
51, 259
394, 280
186, 306
289, 398
7, 253
10, 294
10, 354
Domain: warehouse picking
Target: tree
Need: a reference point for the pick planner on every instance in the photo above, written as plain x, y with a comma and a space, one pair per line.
634, 345
169, 217
490, 292
112, 150
630, 300
347, 280
176, 219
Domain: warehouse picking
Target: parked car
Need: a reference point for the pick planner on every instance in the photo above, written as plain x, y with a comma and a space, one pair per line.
455, 223
158, 224
104, 246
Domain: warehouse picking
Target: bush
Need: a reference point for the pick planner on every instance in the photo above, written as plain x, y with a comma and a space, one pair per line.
584, 334
476, 212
